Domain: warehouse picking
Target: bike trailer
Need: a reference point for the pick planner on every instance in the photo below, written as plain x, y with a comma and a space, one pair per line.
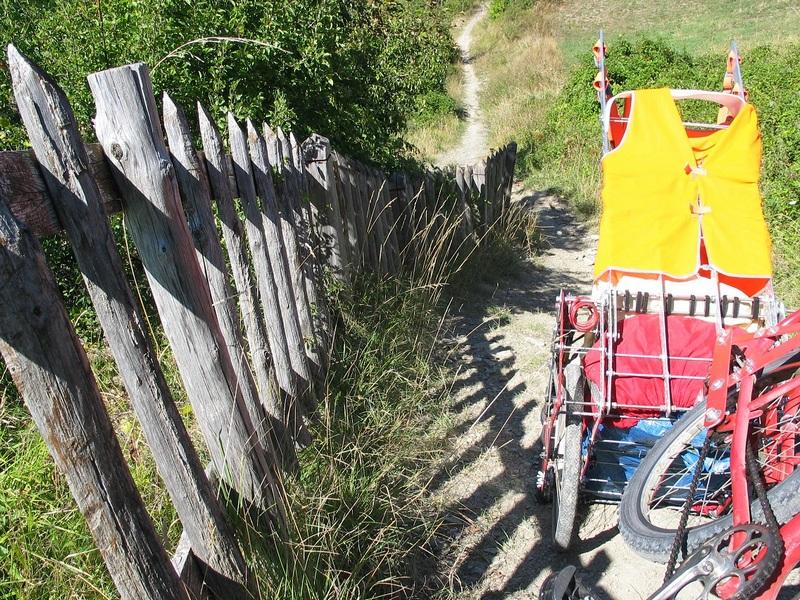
683, 255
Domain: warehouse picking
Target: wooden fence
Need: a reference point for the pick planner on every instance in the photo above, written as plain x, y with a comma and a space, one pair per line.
246, 315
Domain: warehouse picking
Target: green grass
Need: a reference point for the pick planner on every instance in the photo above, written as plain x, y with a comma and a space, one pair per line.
45, 547
439, 121
696, 27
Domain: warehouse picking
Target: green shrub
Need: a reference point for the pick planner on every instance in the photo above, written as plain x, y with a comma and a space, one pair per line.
497, 8
433, 105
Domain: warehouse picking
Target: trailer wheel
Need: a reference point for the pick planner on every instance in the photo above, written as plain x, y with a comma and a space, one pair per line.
567, 472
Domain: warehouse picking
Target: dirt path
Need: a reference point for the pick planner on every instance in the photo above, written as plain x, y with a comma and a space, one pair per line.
500, 536
497, 537
474, 143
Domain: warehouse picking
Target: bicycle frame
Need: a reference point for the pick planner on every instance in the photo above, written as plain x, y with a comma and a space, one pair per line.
766, 350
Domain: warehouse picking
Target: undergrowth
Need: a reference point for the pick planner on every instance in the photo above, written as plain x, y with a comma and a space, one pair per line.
359, 521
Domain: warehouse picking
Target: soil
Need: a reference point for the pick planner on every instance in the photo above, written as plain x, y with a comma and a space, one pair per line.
474, 144
497, 537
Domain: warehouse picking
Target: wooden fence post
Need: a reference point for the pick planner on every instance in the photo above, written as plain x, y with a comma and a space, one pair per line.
476, 191
375, 222
323, 192
397, 190
284, 201
312, 267
362, 197
348, 210
510, 164
316, 305
51, 372
409, 253
487, 184
257, 341
54, 136
463, 196
389, 222
273, 320
129, 130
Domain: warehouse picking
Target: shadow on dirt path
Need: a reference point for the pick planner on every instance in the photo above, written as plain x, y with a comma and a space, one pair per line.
499, 537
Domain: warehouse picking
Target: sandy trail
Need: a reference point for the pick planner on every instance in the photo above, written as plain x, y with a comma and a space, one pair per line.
474, 143
497, 538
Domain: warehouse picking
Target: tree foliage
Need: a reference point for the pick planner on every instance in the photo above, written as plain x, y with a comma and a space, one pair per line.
348, 69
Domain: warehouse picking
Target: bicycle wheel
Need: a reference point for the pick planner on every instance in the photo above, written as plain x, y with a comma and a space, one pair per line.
651, 505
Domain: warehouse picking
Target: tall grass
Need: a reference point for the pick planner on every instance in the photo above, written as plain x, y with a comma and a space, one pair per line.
360, 525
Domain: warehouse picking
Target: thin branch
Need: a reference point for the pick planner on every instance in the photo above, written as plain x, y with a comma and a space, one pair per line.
217, 40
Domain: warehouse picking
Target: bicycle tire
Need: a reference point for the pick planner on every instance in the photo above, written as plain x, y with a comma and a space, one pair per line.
653, 542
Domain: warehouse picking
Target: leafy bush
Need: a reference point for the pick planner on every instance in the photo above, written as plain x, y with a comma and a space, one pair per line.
433, 105
351, 70
497, 8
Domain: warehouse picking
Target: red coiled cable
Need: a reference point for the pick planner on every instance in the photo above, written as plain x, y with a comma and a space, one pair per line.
591, 320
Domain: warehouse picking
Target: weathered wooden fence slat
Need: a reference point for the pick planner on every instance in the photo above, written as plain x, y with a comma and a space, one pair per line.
270, 304
128, 127
252, 316
50, 369
276, 249
312, 266
361, 197
196, 193
389, 222
56, 142
294, 261
344, 192
323, 193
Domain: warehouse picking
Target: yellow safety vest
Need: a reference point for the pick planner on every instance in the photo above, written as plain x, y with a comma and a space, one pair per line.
664, 191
